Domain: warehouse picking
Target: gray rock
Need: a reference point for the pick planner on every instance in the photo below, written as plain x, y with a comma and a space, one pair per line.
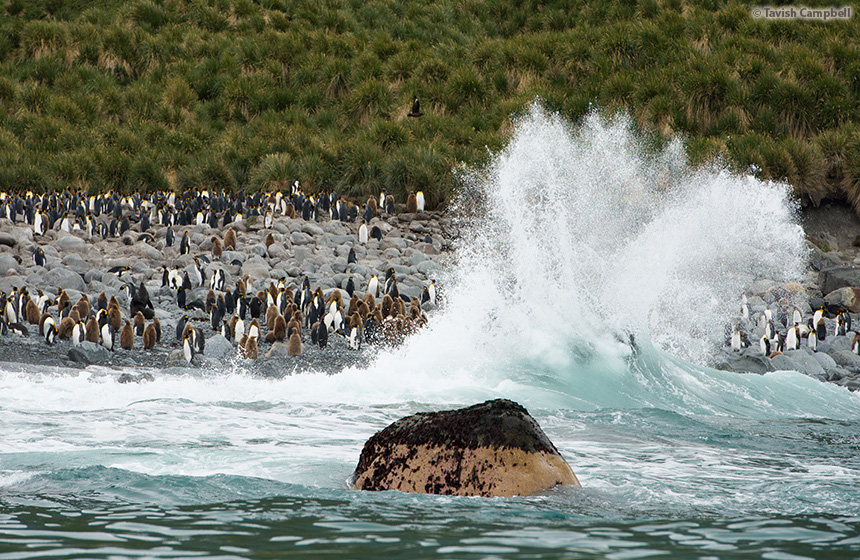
833, 278
278, 349
147, 251
837, 373
847, 359
740, 363
70, 244
7, 239
427, 248
7, 263
300, 238
824, 360
218, 347
66, 279
311, 228
781, 362
89, 353
428, 268
807, 363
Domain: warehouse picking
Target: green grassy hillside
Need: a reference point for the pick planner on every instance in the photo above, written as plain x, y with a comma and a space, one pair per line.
251, 94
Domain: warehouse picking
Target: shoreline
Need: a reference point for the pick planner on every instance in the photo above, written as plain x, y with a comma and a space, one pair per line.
416, 246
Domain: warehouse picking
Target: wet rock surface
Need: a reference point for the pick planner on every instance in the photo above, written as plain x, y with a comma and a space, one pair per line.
491, 449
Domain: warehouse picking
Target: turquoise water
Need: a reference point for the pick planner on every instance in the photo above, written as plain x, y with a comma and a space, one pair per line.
580, 238
233, 466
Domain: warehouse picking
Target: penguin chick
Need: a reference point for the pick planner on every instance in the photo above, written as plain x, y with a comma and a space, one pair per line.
126, 336
294, 348
149, 336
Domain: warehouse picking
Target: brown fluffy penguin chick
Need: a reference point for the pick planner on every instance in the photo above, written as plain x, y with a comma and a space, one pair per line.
232, 324
335, 296
251, 348
157, 324
113, 302
291, 211
293, 326
411, 204
369, 300
139, 323
83, 306
93, 330
64, 330
126, 336
270, 240
115, 317
42, 320
217, 249
75, 316
387, 305
363, 310
294, 348
62, 300
372, 203
280, 329
150, 336
354, 302
103, 301
241, 287
271, 313
33, 314
230, 239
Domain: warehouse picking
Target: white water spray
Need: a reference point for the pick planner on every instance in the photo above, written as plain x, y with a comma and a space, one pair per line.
581, 234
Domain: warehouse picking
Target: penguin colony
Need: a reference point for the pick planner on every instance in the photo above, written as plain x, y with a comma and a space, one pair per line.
783, 327
276, 312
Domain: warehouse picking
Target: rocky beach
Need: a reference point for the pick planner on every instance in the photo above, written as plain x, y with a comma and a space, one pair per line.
415, 246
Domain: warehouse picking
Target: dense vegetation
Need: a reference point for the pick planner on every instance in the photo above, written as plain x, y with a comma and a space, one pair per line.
255, 93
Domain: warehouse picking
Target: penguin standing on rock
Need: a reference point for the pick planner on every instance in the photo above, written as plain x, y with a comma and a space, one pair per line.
187, 348
39, 256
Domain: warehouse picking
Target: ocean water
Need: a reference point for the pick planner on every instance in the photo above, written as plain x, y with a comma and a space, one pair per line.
594, 274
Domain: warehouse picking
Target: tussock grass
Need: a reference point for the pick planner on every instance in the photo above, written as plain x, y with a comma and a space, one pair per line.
251, 94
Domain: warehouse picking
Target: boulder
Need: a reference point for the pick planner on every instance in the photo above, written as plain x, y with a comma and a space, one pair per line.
806, 363
836, 277
7, 263
491, 449
89, 353
300, 238
218, 347
71, 244
843, 299
7, 239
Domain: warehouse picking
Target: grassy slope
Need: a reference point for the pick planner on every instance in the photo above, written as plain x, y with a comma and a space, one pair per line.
248, 94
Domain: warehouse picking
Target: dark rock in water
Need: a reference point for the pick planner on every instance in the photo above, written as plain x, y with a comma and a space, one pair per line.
129, 378
89, 353
836, 277
744, 363
491, 449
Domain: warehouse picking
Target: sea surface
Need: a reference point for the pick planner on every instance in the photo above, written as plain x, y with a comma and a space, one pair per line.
594, 273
